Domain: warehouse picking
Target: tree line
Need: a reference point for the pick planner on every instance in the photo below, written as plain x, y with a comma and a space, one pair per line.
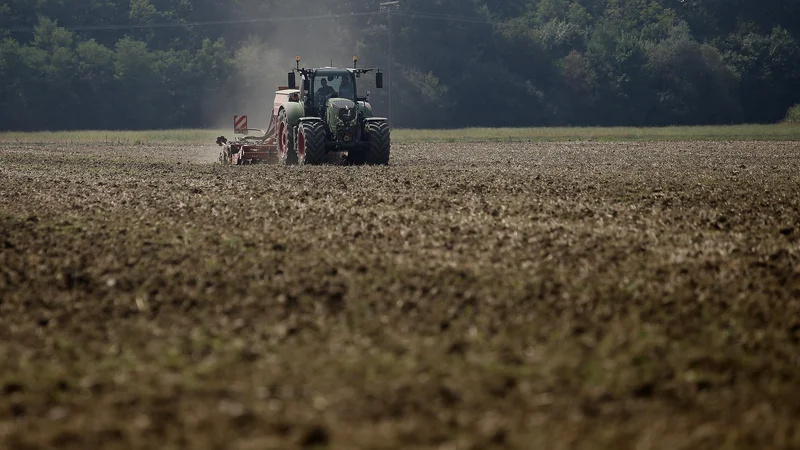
134, 64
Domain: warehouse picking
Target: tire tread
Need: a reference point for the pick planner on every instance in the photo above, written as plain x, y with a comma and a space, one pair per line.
380, 142
291, 152
315, 142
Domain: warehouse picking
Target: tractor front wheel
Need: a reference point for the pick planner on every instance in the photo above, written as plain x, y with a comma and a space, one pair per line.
311, 143
380, 142
288, 154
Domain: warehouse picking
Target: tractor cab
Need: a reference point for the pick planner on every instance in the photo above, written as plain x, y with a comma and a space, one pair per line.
326, 84
322, 84
332, 83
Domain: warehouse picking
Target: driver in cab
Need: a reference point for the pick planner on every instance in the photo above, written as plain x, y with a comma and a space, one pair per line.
325, 91
347, 90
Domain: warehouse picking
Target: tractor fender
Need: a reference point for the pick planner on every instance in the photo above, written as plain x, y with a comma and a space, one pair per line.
370, 120
294, 111
309, 119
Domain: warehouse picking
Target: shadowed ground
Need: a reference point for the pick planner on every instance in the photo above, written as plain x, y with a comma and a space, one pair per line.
469, 296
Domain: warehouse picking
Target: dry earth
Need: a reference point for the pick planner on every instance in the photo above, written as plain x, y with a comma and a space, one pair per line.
469, 296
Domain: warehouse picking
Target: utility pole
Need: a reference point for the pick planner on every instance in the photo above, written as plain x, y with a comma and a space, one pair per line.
389, 7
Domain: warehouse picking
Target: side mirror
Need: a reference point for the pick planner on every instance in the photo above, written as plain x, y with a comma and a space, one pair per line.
292, 80
379, 80
306, 86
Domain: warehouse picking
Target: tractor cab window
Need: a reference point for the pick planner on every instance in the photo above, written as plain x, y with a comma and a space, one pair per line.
333, 85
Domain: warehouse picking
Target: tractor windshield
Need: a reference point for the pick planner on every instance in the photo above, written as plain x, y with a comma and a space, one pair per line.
333, 84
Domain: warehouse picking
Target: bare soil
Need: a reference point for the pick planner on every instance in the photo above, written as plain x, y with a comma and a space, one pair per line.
469, 296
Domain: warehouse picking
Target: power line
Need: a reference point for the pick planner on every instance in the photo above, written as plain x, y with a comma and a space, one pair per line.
451, 18
198, 24
413, 15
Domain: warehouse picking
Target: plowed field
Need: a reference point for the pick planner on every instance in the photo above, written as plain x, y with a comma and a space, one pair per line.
469, 296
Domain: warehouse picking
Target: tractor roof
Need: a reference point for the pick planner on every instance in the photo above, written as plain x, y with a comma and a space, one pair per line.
333, 69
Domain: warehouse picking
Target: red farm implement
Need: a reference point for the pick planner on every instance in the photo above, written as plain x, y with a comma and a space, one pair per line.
256, 148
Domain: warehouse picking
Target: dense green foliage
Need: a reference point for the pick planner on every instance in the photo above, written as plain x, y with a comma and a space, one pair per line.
113, 63
793, 115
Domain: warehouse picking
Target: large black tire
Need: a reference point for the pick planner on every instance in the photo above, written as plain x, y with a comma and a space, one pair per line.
311, 143
286, 149
380, 142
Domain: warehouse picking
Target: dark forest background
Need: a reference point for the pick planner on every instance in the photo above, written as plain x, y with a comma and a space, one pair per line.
122, 64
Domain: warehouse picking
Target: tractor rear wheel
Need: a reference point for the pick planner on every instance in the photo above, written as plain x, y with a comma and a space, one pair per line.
311, 143
286, 150
380, 142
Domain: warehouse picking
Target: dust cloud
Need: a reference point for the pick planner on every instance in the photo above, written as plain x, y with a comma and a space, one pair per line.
262, 63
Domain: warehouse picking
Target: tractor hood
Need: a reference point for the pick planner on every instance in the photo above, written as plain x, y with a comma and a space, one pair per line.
344, 109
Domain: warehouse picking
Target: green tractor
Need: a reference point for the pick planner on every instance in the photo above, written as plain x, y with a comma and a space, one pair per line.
325, 117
